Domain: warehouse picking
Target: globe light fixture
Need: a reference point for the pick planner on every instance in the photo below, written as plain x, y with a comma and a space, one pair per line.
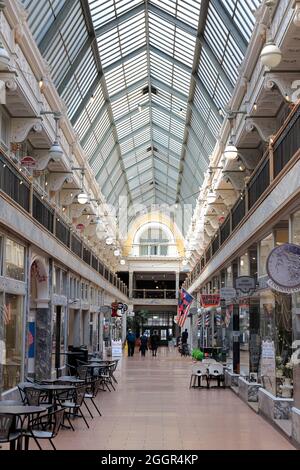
122, 262
184, 262
117, 252
231, 152
56, 152
109, 241
271, 55
82, 198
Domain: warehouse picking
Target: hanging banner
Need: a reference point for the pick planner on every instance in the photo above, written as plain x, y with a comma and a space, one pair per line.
268, 368
228, 314
283, 268
210, 300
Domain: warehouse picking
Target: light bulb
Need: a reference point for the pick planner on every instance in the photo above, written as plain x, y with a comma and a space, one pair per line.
82, 198
271, 55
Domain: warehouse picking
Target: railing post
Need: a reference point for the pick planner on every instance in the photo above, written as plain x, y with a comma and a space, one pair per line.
144, 293
165, 293
271, 160
31, 198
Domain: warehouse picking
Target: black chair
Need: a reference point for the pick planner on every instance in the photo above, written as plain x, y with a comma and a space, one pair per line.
45, 427
73, 405
7, 434
36, 397
92, 393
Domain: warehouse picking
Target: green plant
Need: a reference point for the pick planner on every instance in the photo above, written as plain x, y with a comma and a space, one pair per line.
197, 354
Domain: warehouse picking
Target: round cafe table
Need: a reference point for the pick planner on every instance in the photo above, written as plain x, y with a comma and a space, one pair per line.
18, 411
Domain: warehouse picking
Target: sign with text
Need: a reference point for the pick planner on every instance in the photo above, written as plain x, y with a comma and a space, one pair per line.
245, 285
210, 300
227, 293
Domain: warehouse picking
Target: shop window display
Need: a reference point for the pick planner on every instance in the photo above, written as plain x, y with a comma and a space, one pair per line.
12, 314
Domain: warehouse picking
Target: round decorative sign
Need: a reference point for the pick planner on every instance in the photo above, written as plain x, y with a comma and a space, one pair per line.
283, 266
28, 161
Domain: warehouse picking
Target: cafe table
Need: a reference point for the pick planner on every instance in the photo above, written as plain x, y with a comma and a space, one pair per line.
52, 389
24, 411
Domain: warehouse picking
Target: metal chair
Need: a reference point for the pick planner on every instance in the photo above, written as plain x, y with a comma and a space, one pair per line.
199, 372
92, 393
45, 427
72, 406
6, 432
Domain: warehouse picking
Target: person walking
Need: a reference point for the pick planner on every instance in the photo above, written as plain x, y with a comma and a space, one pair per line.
184, 337
144, 343
154, 340
130, 342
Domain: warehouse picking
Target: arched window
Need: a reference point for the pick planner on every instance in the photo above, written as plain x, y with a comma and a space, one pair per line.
154, 242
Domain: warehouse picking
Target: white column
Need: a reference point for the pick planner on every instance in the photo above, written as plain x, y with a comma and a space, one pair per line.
177, 283
130, 284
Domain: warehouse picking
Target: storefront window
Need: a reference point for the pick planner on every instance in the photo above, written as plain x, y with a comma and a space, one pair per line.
281, 236
244, 336
266, 247
58, 337
14, 260
229, 280
12, 307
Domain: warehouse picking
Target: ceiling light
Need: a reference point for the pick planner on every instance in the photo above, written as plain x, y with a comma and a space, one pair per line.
184, 261
117, 252
122, 262
4, 57
56, 152
231, 152
82, 198
255, 107
92, 99
109, 241
41, 83
271, 55
241, 168
140, 108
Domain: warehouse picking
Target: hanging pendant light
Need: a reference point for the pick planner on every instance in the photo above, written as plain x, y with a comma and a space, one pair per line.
231, 152
82, 198
56, 152
117, 253
271, 55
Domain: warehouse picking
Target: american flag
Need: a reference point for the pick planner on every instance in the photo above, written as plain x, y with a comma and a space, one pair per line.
184, 303
6, 314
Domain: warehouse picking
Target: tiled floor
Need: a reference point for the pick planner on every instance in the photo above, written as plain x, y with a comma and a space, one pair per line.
153, 408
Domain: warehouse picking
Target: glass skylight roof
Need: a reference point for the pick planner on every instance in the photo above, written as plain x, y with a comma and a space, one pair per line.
143, 82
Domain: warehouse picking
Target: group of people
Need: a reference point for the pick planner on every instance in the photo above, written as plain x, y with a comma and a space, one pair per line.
144, 343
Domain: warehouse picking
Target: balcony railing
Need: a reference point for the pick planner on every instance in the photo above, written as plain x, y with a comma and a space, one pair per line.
18, 187
285, 146
154, 294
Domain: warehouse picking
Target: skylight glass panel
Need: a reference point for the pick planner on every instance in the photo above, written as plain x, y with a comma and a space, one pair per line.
242, 14
41, 18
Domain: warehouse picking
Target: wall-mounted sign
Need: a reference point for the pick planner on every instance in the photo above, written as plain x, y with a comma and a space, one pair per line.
245, 285
227, 293
210, 300
283, 268
28, 162
268, 370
